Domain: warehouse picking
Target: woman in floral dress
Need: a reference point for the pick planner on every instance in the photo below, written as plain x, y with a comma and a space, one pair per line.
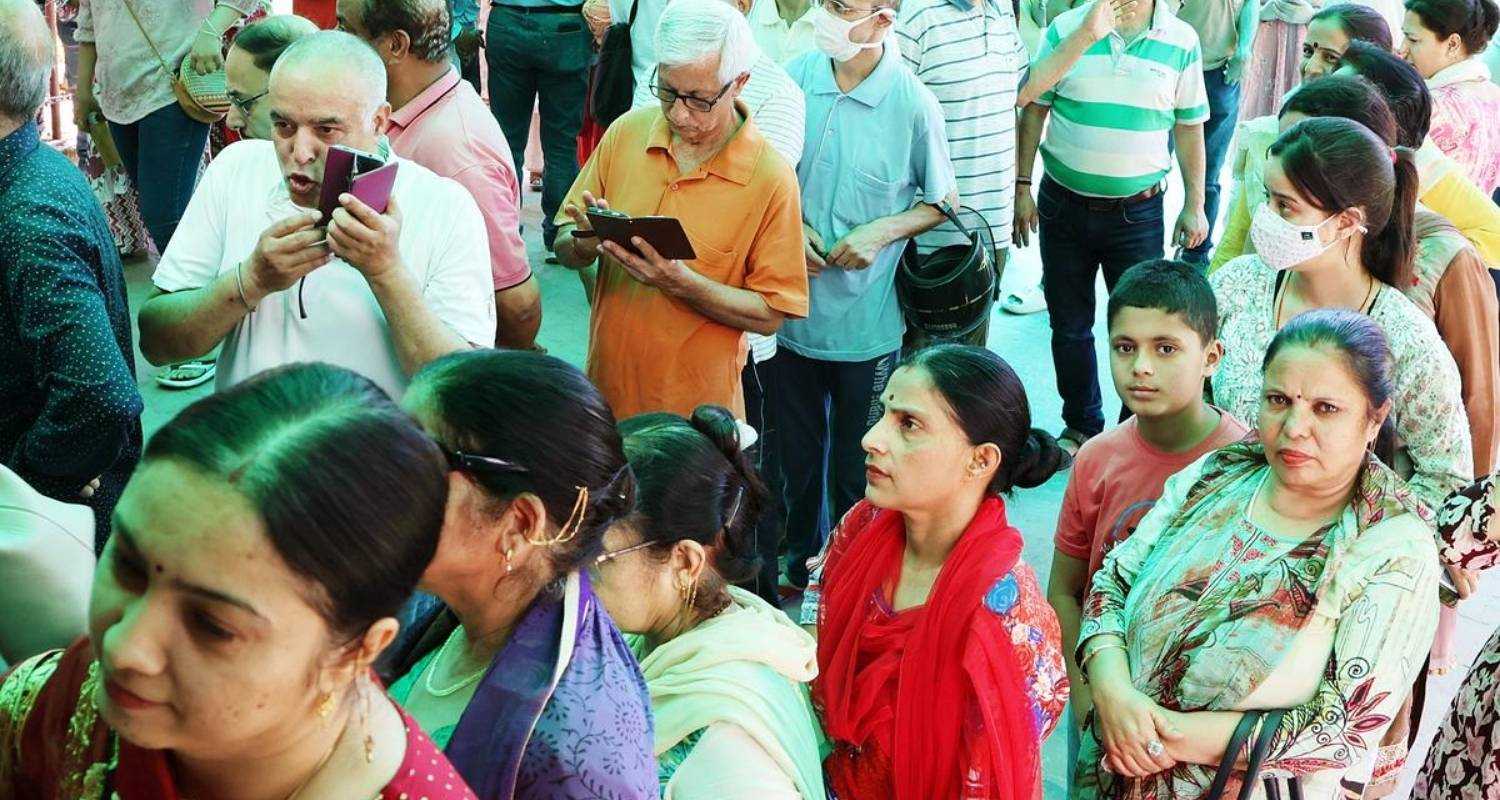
1289, 571
1464, 762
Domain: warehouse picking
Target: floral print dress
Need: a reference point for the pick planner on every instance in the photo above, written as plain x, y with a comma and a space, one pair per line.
1220, 614
1464, 762
1428, 409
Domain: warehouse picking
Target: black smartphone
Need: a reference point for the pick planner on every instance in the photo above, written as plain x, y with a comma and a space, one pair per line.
664, 234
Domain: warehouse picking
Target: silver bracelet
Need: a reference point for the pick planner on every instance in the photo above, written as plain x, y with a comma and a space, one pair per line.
239, 282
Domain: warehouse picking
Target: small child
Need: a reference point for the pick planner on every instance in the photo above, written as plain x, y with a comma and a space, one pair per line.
1163, 341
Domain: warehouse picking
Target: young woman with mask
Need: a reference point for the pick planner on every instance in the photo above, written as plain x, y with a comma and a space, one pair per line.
519, 675
728, 673
260, 554
1337, 233
1443, 39
1329, 34
1290, 571
940, 669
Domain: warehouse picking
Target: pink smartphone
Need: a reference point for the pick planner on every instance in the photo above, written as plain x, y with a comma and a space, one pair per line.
341, 166
374, 188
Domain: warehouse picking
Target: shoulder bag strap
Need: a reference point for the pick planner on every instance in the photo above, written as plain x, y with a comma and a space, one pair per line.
1269, 723
159, 60
634, 6
1231, 754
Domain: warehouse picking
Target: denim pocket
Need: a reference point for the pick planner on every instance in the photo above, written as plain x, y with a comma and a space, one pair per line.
1142, 212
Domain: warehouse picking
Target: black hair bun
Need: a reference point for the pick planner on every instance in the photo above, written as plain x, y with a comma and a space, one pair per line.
1040, 458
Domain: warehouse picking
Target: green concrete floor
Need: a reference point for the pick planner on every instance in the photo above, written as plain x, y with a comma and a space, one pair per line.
1023, 341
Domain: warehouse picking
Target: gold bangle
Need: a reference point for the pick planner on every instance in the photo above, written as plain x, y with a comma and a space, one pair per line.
1089, 656
239, 282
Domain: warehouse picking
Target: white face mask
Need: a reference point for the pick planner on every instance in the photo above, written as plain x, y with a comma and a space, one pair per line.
831, 34
1283, 245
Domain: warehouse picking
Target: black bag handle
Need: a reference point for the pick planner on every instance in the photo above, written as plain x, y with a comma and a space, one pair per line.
1269, 723
634, 6
1231, 754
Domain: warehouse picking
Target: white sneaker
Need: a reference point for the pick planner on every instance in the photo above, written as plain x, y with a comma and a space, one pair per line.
1024, 301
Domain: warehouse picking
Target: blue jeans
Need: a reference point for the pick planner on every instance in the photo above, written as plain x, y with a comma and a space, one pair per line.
162, 152
1078, 237
1223, 111
541, 57
822, 409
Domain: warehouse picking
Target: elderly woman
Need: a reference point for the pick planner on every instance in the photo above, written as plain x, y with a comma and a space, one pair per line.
727, 672
666, 333
1293, 571
1464, 762
1337, 232
940, 669
1443, 39
259, 556
520, 675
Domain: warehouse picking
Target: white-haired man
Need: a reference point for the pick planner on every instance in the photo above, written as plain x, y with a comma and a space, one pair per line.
381, 294
667, 335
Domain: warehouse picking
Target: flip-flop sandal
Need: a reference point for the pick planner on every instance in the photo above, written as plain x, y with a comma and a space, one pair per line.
187, 374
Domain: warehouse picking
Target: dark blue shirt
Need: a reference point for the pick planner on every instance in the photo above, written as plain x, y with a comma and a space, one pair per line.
69, 407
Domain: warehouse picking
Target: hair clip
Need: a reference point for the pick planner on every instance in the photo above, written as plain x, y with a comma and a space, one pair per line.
734, 509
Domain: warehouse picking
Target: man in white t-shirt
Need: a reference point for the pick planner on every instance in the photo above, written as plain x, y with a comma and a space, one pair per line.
381, 294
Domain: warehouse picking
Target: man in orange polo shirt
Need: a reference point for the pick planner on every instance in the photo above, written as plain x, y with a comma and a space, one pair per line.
667, 335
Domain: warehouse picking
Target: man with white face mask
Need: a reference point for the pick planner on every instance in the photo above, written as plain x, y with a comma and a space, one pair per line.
874, 167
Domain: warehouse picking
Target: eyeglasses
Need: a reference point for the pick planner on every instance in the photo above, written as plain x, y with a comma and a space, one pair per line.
459, 461
669, 96
605, 558
850, 12
245, 104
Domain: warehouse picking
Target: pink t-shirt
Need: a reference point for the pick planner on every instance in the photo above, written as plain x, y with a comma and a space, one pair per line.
1117, 477
449, 130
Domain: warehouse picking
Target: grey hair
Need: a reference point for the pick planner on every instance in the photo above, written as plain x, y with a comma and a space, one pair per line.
25, 59
343, 59
425, 22
693, 31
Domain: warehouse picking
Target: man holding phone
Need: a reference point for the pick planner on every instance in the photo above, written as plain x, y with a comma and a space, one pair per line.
381, 292
667, 334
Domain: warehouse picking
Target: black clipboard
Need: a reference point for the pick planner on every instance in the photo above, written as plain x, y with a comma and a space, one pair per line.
664, 234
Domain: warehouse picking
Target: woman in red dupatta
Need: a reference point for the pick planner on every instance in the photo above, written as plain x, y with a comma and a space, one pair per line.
258, 558
940, 667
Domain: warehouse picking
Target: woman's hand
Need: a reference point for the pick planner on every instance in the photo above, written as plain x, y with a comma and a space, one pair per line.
207, 53
1133, 729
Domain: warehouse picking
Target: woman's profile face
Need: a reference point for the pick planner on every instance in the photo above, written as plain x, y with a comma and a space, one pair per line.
916, 455
1424, 50
207, 643
1315, 420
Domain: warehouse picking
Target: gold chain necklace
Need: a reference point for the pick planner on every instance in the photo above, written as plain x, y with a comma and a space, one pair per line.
464, 682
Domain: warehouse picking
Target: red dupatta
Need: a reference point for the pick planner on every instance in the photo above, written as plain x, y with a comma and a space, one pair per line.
958, 656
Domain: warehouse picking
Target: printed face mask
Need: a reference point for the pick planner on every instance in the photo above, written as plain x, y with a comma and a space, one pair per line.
1283, 245
831, 34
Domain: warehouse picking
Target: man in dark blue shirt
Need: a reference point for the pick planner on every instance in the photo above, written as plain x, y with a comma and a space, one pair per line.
69, 408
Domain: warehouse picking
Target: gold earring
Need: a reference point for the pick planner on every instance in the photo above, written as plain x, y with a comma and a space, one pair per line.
365, 723
326, 705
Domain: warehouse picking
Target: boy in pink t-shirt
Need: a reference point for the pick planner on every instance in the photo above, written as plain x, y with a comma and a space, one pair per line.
1163, 341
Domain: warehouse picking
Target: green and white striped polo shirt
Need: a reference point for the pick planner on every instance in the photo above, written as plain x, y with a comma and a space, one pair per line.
1114, 111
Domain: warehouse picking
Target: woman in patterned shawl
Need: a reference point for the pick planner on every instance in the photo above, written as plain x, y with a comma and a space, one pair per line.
1289, 571
519, 674
260, 554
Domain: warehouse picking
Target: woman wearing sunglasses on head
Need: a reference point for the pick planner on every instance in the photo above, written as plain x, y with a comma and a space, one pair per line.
727, 672
520, 675
260, 554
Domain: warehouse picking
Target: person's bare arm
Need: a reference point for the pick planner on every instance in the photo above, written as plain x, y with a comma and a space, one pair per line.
1050, 68
1192, 224
1065, 588
741, 309
83, 89
1028, 137
518, 311
859, 247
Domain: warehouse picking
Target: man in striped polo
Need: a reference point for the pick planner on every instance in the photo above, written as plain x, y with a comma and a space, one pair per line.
1107, 153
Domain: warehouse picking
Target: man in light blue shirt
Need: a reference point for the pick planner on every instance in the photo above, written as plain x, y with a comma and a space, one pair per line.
874, 164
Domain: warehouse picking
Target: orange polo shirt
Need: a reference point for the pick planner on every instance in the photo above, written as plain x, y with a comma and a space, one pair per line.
742, 212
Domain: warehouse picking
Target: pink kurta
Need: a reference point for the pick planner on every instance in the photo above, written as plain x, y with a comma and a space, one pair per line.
1466, 120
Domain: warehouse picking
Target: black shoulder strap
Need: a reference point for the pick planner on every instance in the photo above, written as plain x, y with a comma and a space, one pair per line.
634, 6
1231, 754
1269, 723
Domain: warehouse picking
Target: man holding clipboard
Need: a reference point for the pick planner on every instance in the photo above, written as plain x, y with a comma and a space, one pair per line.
666, 333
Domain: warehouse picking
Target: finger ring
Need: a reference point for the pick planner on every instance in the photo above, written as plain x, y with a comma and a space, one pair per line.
1154, 748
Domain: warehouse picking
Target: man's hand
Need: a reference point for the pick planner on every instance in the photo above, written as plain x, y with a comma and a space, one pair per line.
858, 248
812, 251
207, 53
1026, 220
587, 246
1105, 16
84, 106
365, 239
1191, 228
288, 250
1234, 68
648, 267
468, 42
